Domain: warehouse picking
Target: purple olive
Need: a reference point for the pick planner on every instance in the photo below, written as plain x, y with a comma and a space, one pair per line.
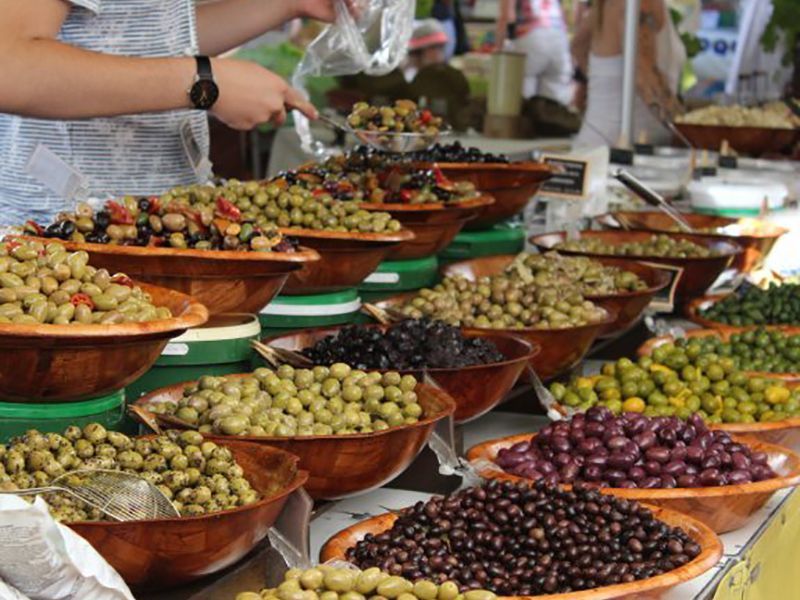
694, 455
592, 473
614, 476
725, 459
520, 447
594, 429
758, 458
560, 443
636, 473
617, 442
562, 459
667, 436
645, 440
668, 481
658, 454
652, 467
687, 481
569, 472
627, 483
678, 453
597, 460
692, 469
621, 461
530, 472
739, 477
545, 467
740, 461
709, 477
589, 445
650, 483
507, 459
711, 462
674, 468
761, 472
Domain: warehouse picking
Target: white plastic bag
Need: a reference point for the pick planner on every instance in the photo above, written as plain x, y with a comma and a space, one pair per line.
44, 560
372, 39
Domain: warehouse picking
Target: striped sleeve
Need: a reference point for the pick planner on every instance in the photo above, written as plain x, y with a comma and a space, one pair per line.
92, 5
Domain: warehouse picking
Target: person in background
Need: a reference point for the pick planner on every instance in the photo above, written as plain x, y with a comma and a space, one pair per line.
443, 11
537, 29
427, 47
597, 48
115, 92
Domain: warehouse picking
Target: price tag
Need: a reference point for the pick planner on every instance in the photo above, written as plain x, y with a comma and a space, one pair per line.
728, 162
378, 277
664, 300
53, 172
197, 159
570, 180
175, 349
290, 534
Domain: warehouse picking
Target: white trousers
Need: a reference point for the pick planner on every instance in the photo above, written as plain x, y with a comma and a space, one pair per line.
548, 65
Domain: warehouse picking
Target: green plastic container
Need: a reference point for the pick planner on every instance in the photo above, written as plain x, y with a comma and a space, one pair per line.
290, 313
398, 276
220, 347
503, 238
17, 418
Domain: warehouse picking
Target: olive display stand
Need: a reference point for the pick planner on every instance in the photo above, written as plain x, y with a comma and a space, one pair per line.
290, 313
223, 281
396, 276
346, 259
723, 509
65, 363
502, 238
698, 273
434, 224
756, 246
511, 185
476, 389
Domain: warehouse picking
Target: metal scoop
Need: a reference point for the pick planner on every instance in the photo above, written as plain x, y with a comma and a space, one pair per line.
390, 141
120, 496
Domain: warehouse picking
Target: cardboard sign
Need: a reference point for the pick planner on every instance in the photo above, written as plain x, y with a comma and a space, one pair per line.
664, 300
570, 181
290, 534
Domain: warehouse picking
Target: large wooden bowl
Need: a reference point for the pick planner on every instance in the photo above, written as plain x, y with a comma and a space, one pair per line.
756, 245
562, 349
434, 224
476, 390
512, 186
170, 552
628, 306
346, 258
343, 465
647, 348
698, 273
746, 140
723, 508
221, 280
694, 307
65, 363
711, 551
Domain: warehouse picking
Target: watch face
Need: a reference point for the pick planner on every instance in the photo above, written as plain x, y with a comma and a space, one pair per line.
204, 94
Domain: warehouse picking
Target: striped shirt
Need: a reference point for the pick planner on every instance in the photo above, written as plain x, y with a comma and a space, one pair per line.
137, 154
533, 14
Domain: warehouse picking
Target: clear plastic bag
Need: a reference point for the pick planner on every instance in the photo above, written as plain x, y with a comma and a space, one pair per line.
372, 39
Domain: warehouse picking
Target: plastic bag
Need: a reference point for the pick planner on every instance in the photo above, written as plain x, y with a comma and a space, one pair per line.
44, 560
374, 41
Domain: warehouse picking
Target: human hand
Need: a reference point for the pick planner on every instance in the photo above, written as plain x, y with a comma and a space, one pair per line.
250, 95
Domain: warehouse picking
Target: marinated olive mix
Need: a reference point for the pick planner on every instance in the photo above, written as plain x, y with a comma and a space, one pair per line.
634, 451
592, 278
43, 283
674, 382
402, 117
329, 583
657, 245
411, 344
202, 217
771, 351
523, 540
503, 302
455, 153
198, 476
333, 400
779, 304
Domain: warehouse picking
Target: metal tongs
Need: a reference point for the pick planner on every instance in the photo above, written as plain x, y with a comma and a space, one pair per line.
652, 198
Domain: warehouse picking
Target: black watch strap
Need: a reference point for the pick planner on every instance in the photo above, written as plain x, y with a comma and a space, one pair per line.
203, 67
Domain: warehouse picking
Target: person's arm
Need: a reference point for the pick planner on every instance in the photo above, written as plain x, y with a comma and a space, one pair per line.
508, 14
650, 82
45, 78
581, 43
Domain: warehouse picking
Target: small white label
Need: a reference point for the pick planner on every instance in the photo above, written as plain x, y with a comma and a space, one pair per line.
175, 349
383, 278
197, 159
52, 171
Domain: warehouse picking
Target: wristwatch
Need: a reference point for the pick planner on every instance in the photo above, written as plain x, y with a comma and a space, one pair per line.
204, 92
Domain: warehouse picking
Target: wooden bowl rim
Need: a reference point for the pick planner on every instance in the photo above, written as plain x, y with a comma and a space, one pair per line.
440, 395
710, 552
646, 349
528, 166
778, 230
478, 201
299, 480
662, 277
195, 315
399, 236
744, 129
692, 311
533, 349
302, 255
732, 250
792, 478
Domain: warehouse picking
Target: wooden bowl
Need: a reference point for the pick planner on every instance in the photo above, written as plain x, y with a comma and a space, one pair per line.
781, 433
346, 258
694, 307
628, 306
723, 508
511, 184
342, 465
755, 245
170, 552
711, 551
434, 224
698, 273
746, 140
476, 390
221, 280
562, 349
647, 348
65, 363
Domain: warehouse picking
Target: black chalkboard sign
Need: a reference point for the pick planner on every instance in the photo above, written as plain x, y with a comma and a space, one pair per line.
571, 179
664, 300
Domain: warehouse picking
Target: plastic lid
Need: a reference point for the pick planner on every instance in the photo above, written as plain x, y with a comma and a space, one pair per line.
223, 327
16, 410
333, 303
